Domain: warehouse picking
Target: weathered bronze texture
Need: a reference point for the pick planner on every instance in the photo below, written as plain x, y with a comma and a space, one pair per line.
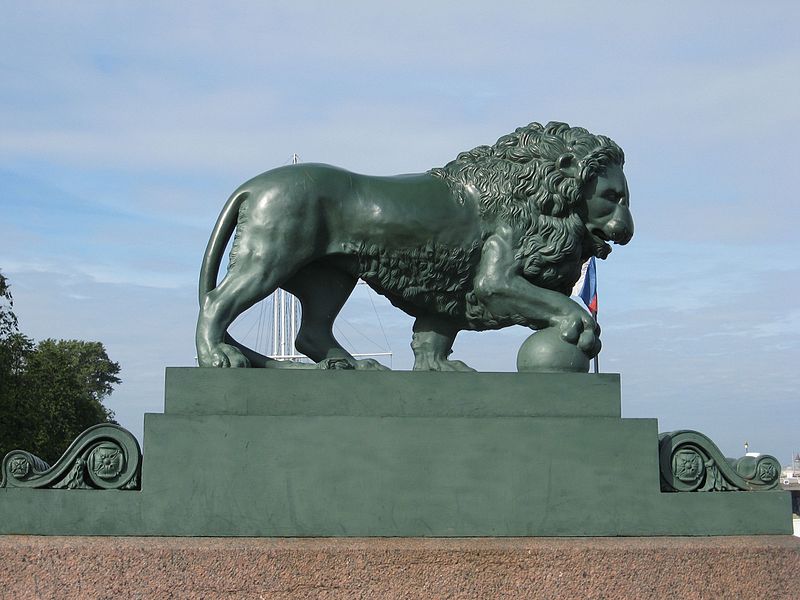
691, 462
494, 238
105, 457
266, 452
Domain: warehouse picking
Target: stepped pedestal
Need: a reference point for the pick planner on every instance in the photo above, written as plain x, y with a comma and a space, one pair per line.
340, 453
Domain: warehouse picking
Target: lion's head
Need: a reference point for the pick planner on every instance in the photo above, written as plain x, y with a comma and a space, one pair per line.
536, 180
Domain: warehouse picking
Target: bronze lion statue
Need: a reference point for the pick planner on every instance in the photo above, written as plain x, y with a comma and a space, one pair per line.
494, 238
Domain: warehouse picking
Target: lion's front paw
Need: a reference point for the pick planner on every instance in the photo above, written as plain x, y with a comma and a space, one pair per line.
335, 364
581, 329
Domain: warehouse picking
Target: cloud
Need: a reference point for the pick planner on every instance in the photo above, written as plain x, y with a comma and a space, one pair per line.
705, 335
125, 129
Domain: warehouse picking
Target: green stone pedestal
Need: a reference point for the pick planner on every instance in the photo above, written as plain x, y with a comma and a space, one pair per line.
341, 453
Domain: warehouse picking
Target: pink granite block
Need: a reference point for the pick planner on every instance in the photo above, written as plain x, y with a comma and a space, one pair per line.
763, 568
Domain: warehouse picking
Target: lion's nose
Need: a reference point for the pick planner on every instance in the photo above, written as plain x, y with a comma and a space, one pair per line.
621, 227
620, 233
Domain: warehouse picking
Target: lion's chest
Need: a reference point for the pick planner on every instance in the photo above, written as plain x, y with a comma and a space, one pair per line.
560, 277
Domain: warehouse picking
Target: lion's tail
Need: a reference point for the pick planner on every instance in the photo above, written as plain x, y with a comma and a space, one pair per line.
212, 259
223, 230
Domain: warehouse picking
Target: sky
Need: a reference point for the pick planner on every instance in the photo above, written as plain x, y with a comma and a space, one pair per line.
125, 126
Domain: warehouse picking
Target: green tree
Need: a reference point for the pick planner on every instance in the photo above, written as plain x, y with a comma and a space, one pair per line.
14, 348
51, 391
8, 320
66, 382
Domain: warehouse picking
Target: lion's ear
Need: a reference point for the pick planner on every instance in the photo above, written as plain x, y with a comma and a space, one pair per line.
567, 164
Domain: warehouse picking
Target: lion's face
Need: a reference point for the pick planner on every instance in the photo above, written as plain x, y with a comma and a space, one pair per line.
608, 216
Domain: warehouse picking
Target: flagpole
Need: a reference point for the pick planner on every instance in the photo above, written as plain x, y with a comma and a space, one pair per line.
594, 309
596, 360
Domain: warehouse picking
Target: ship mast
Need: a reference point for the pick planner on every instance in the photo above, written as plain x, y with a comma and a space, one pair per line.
285, 317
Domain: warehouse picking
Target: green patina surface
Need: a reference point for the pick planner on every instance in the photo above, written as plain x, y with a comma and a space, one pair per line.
494, 238
458, 454
386, 393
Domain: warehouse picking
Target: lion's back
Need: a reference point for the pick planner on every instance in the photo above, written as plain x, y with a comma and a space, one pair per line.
297, 179
409, 236
401, 211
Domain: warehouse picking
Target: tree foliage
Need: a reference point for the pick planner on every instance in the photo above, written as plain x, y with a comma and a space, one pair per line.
51, 391
8, 320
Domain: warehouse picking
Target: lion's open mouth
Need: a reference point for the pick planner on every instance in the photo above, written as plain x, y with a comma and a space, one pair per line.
600, 243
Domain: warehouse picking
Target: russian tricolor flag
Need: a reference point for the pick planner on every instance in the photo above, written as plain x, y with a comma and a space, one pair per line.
586, 287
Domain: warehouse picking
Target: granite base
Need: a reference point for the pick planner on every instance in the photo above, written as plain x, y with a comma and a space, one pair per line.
283, 568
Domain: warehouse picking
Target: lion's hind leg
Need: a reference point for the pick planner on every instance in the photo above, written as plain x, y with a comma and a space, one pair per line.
323, 289
249, 280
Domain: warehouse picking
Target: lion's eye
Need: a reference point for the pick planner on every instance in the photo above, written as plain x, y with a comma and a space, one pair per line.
612, 195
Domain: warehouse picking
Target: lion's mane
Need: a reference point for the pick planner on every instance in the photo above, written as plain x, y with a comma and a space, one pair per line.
520, 183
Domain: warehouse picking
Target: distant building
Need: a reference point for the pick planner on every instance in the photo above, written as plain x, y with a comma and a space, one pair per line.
790, 481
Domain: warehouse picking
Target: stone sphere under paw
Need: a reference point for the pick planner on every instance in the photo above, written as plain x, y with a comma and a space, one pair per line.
546, 352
